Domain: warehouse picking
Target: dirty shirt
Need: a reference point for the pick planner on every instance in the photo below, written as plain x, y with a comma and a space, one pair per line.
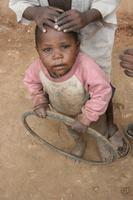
83, 92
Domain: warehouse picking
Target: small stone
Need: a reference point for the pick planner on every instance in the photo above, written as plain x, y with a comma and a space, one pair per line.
96, 189
125, 190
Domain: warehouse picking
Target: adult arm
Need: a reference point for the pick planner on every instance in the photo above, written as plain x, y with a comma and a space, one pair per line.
99, 10
106, 8
28, 11
20, 6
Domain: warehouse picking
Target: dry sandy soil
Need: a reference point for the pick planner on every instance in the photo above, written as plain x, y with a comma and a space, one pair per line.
31, 170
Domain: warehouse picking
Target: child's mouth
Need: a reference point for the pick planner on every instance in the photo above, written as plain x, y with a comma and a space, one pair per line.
61, 66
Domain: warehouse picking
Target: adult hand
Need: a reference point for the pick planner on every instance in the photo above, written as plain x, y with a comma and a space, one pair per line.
78, 126
74, 20
43, 15
127, 62
71, 20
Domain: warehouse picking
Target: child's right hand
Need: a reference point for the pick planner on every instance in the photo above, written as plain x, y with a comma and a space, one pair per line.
79, 126
127, 62
41, 112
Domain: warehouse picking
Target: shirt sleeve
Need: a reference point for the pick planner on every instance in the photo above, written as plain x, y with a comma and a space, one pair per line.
107, 8
19, 6
97, 84
38, 96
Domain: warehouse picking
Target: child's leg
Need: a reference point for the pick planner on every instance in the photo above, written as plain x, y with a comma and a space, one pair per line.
101, 127
112, 128
116, 135
79, 140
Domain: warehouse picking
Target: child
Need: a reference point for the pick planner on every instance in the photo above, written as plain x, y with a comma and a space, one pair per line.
95, 22
71, 82
127, 64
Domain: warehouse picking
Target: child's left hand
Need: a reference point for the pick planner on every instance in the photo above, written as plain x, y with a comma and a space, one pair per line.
78, 126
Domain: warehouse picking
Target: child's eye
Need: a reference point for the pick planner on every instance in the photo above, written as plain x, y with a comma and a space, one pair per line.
47, 49
65, 46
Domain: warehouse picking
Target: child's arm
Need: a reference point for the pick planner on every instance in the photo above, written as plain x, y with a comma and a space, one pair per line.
37, 95
127, 62
97, 84
74, 20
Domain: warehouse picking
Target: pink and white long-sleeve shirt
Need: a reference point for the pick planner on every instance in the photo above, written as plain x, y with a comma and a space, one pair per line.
83, 92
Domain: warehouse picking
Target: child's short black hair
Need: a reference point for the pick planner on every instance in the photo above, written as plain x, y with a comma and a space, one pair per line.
74, 33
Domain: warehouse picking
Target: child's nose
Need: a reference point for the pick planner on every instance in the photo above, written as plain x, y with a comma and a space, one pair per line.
57, 55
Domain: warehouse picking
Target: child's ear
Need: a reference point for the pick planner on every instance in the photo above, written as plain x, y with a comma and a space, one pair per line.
36, 48
78, 46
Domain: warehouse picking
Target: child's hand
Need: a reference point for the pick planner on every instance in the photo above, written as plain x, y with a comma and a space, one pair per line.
127, 62
41, 112
71, 20
43, 15
78, 126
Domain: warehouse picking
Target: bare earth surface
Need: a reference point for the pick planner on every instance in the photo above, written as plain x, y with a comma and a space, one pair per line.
31, 170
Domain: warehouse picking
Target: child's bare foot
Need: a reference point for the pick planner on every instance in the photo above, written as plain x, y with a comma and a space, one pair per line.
104, 152
79, 150
121, 143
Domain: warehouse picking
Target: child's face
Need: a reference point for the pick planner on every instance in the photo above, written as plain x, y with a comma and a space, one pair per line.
57, 50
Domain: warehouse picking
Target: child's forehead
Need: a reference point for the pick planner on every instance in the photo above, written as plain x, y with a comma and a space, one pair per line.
54, 34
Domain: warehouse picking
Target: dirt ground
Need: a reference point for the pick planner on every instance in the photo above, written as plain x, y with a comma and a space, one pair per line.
31, 170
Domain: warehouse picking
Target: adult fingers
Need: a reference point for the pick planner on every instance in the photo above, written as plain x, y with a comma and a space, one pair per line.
63, 18
129, 51
125, 58
49, 23
56, 9
128, 67
74, 28
69, 27
42, 27
128, 73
